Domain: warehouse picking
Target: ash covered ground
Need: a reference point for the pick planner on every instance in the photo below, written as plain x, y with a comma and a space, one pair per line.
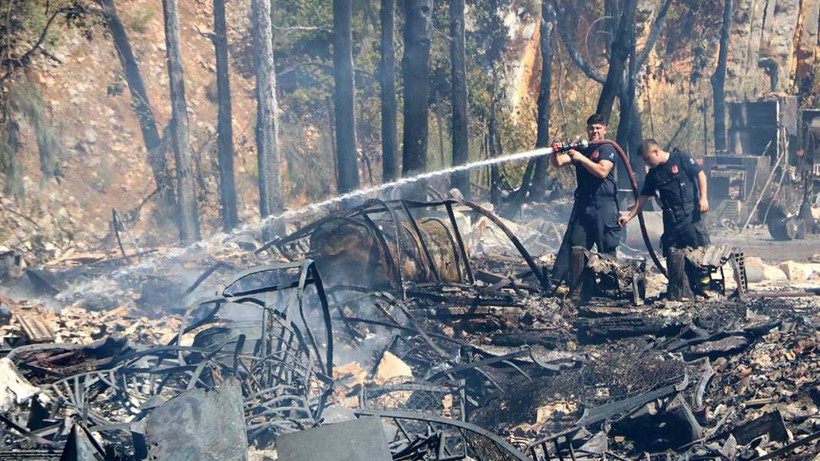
472, 361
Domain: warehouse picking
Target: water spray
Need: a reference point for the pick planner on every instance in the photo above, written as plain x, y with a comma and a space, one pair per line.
542, 151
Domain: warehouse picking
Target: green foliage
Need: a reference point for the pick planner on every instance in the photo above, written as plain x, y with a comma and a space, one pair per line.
140, 17
30, 25
702, 21
304, 62
25, 21
304, 59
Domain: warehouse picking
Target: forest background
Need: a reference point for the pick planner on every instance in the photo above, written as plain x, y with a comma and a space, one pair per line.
79, 139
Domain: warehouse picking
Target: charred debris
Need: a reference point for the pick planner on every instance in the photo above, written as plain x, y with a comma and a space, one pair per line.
409, 331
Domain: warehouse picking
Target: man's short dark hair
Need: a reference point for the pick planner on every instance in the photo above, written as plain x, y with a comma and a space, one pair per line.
596, 119
647, 144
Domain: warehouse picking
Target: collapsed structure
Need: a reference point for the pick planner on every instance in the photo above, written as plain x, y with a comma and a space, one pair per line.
396, 332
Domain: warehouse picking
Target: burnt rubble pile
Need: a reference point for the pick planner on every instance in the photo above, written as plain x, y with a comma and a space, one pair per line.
406, 331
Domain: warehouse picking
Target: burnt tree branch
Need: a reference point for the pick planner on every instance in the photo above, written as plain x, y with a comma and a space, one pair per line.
656, 29
11, 63
573, 52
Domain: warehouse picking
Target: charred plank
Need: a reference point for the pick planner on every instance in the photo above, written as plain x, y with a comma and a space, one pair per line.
593, 330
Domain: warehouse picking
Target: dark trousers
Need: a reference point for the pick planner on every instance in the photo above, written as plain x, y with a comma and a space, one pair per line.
688, 232
593, 221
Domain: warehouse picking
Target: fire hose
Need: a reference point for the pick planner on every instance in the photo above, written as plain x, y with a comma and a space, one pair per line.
558, 147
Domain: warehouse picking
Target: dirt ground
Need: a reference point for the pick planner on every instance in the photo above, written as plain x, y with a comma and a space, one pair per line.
758, 242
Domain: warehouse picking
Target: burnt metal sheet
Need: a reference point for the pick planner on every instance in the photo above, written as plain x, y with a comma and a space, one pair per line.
45, 281
359, 440
81, 446
673, 422
594, 415
771, 423
35, 328
199, 425
724, 346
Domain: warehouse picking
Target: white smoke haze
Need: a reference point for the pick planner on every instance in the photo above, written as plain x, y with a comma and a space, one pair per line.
156, 282
400, 183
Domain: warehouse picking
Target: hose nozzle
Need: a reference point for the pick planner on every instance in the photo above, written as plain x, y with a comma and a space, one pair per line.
563, 147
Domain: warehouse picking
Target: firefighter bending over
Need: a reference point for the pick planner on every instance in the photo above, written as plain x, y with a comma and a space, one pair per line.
680, 185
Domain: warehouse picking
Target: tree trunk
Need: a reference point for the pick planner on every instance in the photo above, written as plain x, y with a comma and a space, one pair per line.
267, 136
718, 79
565, 30
343, 96
440, 128
387, 74
141, 104
630, 129
187, 218
227, 184
617, 60
539, 184
495, 175
612, 11
461, 151
416, 70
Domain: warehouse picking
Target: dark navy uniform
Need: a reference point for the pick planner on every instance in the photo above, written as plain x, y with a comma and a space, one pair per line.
594, 218
675, 184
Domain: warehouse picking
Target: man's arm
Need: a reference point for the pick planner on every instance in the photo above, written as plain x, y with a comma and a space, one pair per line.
598, 169
636, 208
562, 158
703, 202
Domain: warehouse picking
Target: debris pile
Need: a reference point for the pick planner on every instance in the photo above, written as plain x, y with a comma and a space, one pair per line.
395, 342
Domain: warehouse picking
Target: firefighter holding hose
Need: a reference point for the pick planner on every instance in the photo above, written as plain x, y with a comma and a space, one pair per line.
594, 217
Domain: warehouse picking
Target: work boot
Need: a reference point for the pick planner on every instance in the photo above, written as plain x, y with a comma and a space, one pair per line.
558, 287
704, 287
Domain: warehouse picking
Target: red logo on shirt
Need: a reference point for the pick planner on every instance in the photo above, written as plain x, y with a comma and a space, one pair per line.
674, 169
595, 155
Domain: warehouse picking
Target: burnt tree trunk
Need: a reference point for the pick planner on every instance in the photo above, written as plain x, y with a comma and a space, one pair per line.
718, 79
617, 60
343, 97
267, 136
387, 76
227, 184
140, 103
565, 10
629, 135
187, 217
459, 179
539, 183
630, 120
493, 144
416, 69
612, 10
630, 129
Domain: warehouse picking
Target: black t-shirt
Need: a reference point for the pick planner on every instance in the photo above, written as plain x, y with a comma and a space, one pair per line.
674, 180
590, 185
